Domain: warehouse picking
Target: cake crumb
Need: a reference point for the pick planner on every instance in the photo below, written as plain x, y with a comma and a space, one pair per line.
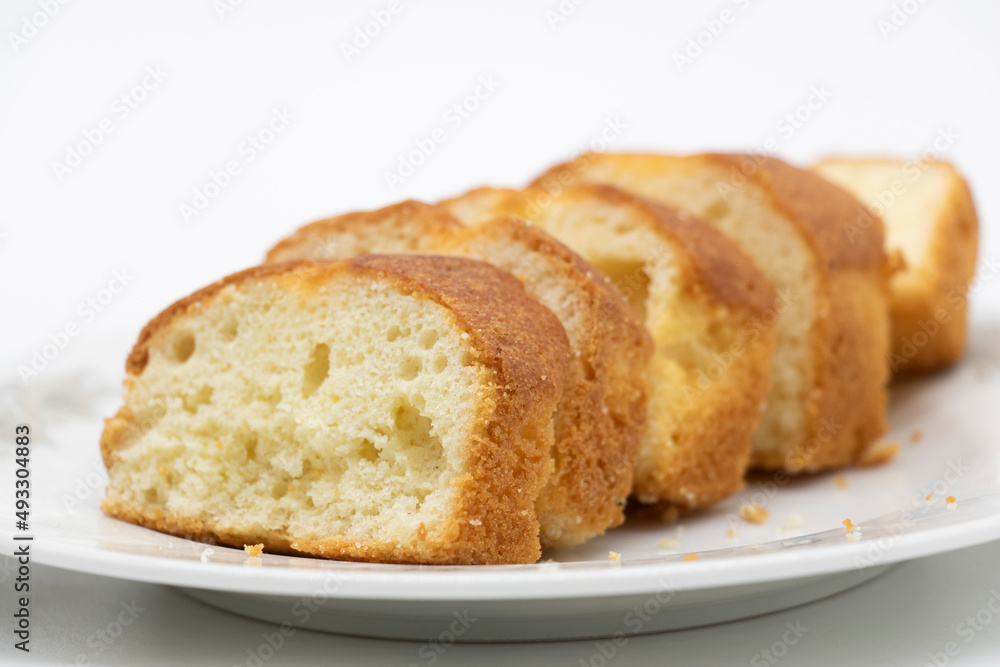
668, 543
952, 503
916, 436
614, 555
879, 453
475, 522
848, 524
950, 499
753, 513
840, 480
691, 557
732, 532
793, 521
254, 550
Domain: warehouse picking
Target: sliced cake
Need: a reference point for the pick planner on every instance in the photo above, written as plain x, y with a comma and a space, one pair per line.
931, 235
827, 399
387, 408
601, 414
708, 308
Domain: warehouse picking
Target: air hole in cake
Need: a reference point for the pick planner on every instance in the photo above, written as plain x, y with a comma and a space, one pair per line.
183, 346
428, 339
631, 280
717, 209
317, 370
249, 443
393, 334
230, 329
368, 451
279, 489
203, 397
412, 435
440, 363
411, 368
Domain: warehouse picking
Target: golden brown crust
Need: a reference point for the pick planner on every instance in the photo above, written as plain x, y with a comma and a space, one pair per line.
599, 421
705, 440
392, 233
928, 305
522, 346
823, 214
714, 264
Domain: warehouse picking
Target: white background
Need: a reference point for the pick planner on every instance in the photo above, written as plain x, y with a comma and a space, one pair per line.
62, 240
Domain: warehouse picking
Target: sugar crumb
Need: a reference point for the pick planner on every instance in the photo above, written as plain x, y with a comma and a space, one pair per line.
475, 522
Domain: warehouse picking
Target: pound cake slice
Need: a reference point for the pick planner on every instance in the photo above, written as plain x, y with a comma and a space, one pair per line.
706, 306
387, 408
931, 232
602, 411
827, 400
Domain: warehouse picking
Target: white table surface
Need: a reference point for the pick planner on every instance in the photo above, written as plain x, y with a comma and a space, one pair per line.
61, 241
900, 618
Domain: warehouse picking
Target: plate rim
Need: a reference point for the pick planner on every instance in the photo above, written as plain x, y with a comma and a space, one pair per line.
509, 582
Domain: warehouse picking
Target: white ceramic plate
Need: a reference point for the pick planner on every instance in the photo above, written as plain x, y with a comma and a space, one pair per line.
800, 554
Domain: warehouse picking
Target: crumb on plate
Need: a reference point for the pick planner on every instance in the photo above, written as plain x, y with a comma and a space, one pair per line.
668, 543
732, 532
690, 557
849, 525
253, 550
840, 480
614, 555
916, 436
793, 521
753, 513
